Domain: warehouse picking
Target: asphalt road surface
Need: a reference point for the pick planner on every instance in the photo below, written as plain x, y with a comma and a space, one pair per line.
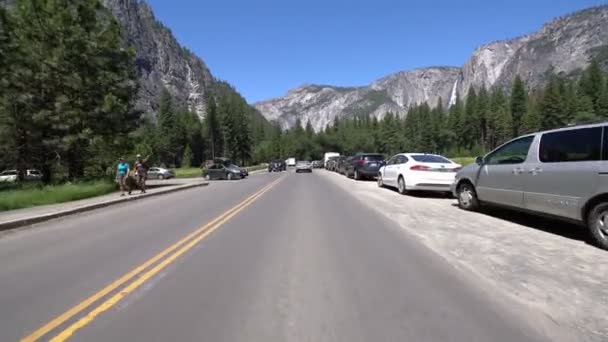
276, 257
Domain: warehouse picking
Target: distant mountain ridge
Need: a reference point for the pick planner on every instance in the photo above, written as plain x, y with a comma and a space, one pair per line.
161, 61
563, 45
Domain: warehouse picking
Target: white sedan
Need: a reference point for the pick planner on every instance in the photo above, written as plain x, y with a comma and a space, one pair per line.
418, 171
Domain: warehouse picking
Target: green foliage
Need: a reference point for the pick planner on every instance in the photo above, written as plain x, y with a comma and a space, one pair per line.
30, 196
519, 98
67, 84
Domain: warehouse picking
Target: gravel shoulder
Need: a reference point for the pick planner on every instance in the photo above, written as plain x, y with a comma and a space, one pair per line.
545, 265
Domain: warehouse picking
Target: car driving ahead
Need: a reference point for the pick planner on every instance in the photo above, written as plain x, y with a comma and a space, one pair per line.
418, 171
303, 166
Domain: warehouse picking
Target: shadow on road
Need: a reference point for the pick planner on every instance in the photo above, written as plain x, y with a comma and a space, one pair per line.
546, 224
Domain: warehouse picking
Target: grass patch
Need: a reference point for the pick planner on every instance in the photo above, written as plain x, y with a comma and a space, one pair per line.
257, 167
464, 161
31, 195
188, 172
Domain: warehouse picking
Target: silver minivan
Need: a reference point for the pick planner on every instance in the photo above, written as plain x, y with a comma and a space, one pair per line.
561, 173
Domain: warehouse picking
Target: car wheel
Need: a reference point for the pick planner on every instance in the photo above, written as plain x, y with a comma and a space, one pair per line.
380, 181
467, 197
401, 186
161, 177
357, 176
207, 177
597, 222
229, 176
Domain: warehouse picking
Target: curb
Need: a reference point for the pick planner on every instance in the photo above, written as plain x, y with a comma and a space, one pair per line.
46, 217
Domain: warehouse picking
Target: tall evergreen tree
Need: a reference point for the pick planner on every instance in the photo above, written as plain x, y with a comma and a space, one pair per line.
76, 81
592, 82
531, 121
213, 127
518, 104
470, 128
500, 119
169, 133
482, 113
553, 105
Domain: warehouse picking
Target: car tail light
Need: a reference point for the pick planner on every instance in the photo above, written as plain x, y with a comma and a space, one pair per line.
420, 168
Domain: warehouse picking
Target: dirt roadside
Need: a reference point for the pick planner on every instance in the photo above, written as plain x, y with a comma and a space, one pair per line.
545, 265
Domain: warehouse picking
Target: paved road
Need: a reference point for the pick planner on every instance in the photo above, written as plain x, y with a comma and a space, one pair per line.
304, 261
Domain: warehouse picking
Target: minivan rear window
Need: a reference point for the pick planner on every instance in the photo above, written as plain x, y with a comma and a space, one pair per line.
574, 145
429, 158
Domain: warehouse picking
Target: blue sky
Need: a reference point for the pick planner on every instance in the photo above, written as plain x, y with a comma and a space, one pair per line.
266, 47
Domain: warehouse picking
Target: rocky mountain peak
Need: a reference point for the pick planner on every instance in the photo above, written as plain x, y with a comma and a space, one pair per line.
161, 61
564, 45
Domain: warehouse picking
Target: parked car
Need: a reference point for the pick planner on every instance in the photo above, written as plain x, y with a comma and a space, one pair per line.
561, 173
331, 163
341, 165
364, 165
303, 166
221, 171
277, 166
228, 163
418, 171
317, 164
160, 173
327, 156
10, 176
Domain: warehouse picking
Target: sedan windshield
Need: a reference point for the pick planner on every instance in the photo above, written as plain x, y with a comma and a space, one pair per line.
430, 158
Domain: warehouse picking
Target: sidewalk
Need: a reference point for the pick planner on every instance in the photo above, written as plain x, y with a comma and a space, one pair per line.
22, 217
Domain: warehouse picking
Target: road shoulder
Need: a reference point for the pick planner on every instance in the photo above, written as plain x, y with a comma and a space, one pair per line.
557, 276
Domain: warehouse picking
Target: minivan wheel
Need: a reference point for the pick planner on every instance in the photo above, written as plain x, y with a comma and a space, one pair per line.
467, 197
597, 224
401, 186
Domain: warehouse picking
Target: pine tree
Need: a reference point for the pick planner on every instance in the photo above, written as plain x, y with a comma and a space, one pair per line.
456, 123
592, 82
76, 81
470, 128
213, 127
187, 157
483, 108
531, 121
500, 122
309, 130
169, 139
553, 105
602, 107
518, 104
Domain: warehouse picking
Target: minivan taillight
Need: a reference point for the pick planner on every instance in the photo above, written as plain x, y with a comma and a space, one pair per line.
361, 162
420, 168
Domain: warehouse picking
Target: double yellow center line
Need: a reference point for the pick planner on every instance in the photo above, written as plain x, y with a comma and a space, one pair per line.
136, 277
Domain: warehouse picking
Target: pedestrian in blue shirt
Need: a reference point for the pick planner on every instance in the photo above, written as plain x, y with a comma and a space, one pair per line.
122, 172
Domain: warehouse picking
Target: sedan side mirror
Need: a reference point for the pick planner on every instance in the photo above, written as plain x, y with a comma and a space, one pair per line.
479, 161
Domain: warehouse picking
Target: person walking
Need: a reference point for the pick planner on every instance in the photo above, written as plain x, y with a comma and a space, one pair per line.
141, 169
122, 172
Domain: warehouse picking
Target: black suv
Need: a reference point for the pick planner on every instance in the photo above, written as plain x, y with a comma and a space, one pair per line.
277, 166
363, 165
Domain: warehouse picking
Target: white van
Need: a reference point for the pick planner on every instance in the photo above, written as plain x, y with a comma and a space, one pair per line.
329, 155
